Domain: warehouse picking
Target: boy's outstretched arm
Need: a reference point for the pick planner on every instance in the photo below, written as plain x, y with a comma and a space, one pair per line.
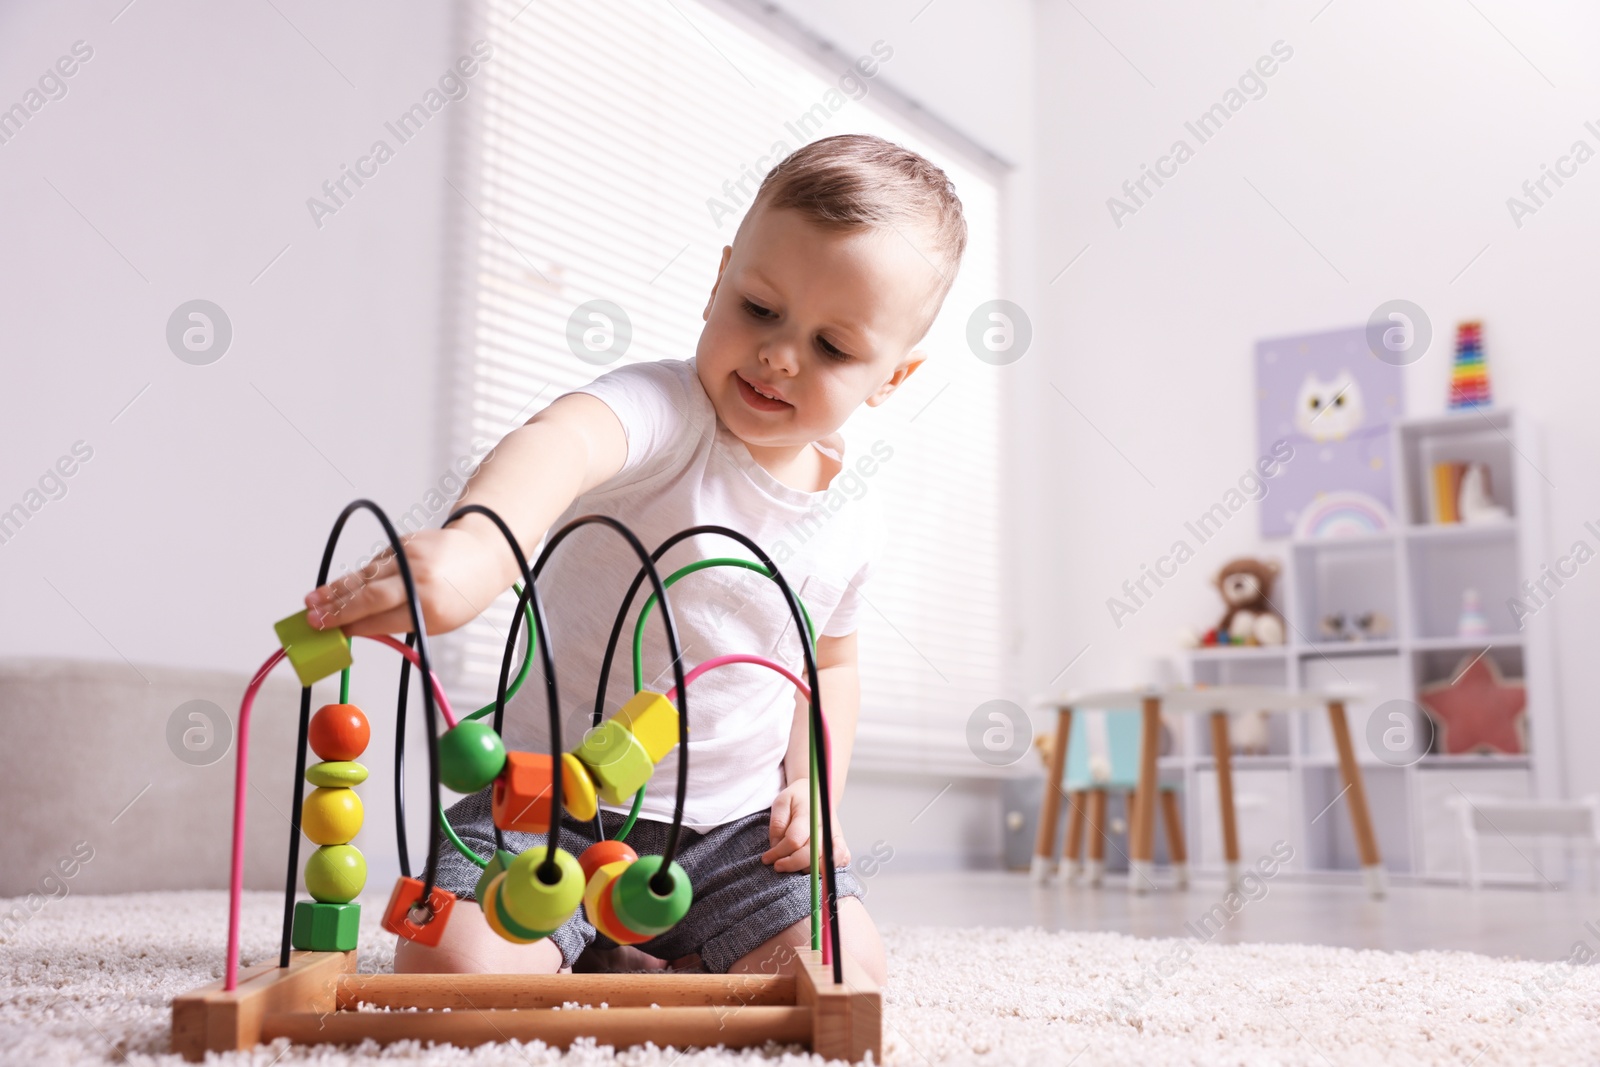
528, 479
839, 679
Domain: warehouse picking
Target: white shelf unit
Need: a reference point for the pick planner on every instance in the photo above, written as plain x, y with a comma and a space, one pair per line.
1415, 574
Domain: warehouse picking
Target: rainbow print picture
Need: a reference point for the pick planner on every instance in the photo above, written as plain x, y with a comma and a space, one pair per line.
1332, 402
1342, 514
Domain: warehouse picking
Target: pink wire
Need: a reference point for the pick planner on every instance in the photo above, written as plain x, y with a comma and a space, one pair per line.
241, 771
760, 661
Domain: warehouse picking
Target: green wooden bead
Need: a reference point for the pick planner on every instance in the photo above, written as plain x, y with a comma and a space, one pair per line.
335, 874
640, 907
532, 903
321, 927
618, 760
333, 774
313, 653
471, 754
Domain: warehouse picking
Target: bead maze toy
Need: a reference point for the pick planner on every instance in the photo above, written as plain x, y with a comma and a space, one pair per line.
312, 993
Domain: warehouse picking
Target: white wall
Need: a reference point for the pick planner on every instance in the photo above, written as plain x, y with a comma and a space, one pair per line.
1390, 141
189, 143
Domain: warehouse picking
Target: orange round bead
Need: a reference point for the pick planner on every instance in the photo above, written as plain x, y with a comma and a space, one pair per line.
339, 732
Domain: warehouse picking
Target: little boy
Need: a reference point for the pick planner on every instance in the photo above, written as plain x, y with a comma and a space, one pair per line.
833, 277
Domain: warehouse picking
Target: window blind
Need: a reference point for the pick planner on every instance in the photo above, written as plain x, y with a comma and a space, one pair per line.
600, 158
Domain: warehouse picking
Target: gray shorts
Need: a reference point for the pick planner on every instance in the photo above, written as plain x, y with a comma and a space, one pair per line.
739, 902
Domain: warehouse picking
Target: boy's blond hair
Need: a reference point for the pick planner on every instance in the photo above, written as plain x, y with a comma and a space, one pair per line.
857, 181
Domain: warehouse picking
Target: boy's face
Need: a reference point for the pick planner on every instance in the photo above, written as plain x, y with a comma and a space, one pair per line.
825, 320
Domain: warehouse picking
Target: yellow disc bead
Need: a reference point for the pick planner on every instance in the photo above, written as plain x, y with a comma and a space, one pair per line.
604, 918
577, 788
491, 909
331, 816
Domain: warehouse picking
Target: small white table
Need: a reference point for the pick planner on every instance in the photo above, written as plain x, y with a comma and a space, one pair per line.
1218, 701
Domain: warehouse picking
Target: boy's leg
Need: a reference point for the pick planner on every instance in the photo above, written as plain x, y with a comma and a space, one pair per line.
468, 944
858, 939
742, 906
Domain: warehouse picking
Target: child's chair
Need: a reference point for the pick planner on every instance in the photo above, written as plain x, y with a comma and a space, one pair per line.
1103, 755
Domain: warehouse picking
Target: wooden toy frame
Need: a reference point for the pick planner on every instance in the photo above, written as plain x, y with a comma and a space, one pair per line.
315, 997
314, 1001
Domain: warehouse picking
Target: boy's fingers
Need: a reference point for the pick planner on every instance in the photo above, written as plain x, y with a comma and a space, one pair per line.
346, 585
350, 603
784, 845
799, 860
780, 819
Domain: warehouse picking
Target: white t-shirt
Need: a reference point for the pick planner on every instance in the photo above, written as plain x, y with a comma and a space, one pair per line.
686, 468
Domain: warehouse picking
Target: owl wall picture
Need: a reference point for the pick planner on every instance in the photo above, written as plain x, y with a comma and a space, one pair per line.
1328, 397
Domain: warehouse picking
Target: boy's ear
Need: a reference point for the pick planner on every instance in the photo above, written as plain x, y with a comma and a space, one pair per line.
914, 359
727, 253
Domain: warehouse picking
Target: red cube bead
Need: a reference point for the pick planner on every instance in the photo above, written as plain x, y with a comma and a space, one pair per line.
521, 798
397, 917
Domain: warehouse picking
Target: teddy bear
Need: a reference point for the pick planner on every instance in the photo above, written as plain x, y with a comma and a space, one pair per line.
1250, 618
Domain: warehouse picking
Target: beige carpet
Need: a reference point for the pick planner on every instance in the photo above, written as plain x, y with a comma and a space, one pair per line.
87, 980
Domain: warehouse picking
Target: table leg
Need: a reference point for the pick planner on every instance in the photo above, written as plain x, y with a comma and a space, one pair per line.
1223, 753
1143, 829
1178, 854
1044, 846
1360, 818
1097, 837
1076, 817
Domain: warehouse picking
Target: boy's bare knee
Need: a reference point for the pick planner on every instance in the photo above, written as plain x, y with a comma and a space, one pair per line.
469, 946
858, 938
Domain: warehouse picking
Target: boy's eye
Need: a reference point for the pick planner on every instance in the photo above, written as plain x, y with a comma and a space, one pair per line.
756, 309
831, 352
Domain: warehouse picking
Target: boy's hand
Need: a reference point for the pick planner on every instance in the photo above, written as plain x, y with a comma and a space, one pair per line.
790, 831
457, 575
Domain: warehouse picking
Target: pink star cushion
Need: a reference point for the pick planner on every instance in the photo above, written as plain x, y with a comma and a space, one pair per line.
1480, 711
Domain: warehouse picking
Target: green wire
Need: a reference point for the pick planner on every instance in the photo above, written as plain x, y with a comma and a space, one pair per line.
527, 662
638, 684
722, 561
633, 814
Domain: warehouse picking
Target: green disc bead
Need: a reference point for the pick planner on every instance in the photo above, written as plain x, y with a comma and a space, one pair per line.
531, 902
332, 774
471, 755
335, 874
640, 907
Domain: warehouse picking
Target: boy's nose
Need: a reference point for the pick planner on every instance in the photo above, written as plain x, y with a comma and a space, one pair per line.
780, 355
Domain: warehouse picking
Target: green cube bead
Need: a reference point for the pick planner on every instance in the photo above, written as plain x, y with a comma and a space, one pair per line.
323, 927
617, 760
313, 653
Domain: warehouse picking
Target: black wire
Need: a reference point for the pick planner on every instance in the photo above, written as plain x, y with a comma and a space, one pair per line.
661, 881
294, 825
820, 733
400, 761
549, 871
430, 712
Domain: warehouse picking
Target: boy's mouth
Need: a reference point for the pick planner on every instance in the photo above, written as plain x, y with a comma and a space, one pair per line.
757, 399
